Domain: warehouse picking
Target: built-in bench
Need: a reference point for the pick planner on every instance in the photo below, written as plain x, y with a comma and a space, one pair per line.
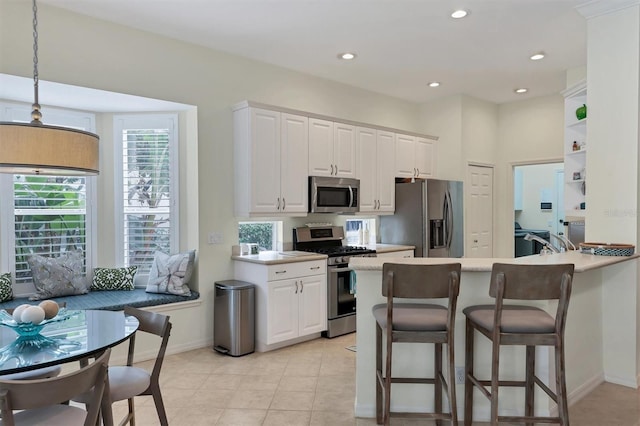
114, 300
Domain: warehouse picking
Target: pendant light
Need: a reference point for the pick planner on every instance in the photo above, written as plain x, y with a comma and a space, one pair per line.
35, 148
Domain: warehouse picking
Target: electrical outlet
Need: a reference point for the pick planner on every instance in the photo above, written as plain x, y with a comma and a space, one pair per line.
459, 375
215, 237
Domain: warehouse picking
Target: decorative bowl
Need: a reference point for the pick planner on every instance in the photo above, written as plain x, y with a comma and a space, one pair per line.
29, 329
581, 112
603, 249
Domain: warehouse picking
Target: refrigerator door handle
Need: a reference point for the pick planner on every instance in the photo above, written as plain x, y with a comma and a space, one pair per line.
449, 219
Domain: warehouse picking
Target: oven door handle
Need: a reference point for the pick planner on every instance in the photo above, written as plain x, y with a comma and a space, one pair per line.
335, 270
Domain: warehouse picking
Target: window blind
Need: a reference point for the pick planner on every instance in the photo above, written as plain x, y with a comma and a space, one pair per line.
50, 218
147, 195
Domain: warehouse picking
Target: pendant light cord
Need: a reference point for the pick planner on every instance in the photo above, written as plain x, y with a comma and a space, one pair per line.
36, 115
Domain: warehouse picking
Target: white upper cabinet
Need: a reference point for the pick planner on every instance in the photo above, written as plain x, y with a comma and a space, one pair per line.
415, 157
332, 149
376, 168
270, 154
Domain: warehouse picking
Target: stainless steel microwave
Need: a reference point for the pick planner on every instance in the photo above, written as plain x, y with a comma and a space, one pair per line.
333, 195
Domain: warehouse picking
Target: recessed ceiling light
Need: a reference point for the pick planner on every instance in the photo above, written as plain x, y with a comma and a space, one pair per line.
347, 56
537, 56
521, 90
460, 13
434, 84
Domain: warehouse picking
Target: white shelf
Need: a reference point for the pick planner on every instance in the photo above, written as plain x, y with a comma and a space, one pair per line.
575, 161
577, 123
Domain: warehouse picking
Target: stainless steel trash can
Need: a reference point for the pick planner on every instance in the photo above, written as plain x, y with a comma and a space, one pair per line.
234, 317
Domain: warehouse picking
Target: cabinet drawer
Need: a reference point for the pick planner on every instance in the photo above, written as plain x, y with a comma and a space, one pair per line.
296, 269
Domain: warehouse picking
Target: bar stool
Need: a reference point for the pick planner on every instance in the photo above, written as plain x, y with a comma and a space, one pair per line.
417, 323
520, 325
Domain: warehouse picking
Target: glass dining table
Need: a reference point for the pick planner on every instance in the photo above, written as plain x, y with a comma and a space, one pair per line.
71, 336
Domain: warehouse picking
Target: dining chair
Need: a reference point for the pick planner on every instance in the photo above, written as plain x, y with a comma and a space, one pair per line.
402, 322
127, 382
516, 324
42, 400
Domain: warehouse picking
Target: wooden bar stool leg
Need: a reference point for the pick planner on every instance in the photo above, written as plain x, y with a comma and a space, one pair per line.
379, 390
387, 380
561, 386
529, 385
451, 380
437, 386
468, 370
495, 369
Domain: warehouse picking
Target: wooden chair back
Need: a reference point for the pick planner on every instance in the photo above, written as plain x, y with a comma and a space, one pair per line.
530, 282
153, 323
30, 394
412, 281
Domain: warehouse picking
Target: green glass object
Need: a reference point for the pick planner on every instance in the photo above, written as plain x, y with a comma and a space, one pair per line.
581, 113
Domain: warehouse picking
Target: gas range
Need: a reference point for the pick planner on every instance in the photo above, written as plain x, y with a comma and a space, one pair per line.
327, 240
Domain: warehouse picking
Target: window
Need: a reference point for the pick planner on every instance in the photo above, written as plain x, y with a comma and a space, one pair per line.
360, 231
146, 182
47, 215
266, 234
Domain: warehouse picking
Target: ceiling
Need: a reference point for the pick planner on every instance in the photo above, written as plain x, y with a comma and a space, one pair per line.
401, 45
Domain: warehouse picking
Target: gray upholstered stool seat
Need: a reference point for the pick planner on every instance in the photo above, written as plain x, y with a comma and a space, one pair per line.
515, 318
413, 316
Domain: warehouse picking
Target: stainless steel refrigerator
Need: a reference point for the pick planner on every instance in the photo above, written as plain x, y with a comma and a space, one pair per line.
429, 216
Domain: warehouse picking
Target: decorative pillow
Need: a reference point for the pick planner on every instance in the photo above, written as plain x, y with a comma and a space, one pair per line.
59, 276
6, 291
113, 278
171, 274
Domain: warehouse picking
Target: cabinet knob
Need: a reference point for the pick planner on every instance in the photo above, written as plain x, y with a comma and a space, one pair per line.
278, 206
314, 268
332, 170
284, 271
284, 203
301, 287
296, 288
475, 241
417, 172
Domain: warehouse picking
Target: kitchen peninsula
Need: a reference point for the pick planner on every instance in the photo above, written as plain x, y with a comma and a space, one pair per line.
601, 333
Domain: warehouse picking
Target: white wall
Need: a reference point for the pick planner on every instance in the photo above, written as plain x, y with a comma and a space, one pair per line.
535, 179
82, 51
444, 119
529, 131
474, 131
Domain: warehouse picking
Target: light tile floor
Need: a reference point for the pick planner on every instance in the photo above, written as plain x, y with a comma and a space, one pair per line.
312, 383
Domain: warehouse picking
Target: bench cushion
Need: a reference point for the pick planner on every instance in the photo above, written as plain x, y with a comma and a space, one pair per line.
112, 300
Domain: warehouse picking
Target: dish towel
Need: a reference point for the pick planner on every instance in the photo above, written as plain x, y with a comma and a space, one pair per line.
352, 283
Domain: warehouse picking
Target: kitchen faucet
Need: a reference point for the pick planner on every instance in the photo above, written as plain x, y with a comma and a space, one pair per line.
564, 241
545, 243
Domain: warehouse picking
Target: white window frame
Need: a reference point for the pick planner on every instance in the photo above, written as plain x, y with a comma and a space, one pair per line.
276, 234
21, 112
145, 121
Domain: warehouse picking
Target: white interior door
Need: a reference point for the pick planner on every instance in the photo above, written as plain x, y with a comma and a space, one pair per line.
479, 211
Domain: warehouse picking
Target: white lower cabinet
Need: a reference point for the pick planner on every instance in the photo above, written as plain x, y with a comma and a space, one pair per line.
291, 301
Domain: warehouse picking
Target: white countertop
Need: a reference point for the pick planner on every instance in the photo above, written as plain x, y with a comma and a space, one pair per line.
582, 262
389, 248
280, 257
